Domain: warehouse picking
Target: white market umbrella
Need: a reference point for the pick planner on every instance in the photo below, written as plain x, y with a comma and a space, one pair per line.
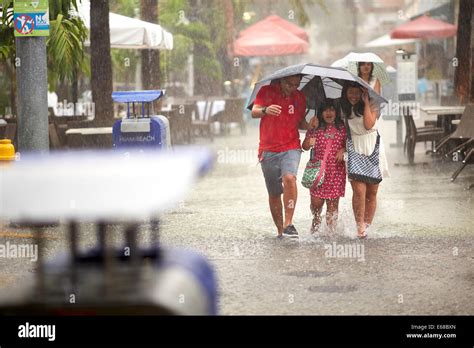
350, 61
127, 32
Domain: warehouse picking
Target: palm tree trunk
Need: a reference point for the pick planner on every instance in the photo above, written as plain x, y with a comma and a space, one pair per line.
101, 63
463, 75
229, 57
150, 58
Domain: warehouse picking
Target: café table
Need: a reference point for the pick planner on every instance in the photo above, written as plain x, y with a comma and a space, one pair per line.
85, 137
444, 115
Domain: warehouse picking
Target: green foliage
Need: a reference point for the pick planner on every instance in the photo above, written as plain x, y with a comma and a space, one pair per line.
65, 47
124, 62
192, 36
7, 49
125, 7
64, 44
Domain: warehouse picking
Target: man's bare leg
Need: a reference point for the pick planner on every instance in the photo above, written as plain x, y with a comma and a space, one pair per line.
290, 193
276, 209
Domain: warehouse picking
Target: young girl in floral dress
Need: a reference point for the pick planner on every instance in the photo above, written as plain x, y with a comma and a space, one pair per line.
330, 135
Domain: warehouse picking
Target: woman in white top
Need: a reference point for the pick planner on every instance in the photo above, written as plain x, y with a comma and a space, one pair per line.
365, 71
361, 116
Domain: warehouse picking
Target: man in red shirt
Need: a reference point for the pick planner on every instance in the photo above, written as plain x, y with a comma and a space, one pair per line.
282, 109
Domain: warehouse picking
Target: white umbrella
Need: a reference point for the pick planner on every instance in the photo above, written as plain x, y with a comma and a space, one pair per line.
126, 32
350, 61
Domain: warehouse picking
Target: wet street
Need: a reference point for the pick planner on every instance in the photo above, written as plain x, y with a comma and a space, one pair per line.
418, 259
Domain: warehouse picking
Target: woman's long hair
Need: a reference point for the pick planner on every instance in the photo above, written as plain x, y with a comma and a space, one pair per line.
329, 104
346, 106
371, 70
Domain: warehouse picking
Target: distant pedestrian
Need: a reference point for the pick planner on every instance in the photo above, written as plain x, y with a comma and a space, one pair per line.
365, 70
328, 144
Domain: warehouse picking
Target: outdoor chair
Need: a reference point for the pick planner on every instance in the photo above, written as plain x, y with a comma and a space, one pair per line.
464, 133
57, 128
233, 113
465, 161
10, 131
422, 134
180, 118
54, 140
204, 125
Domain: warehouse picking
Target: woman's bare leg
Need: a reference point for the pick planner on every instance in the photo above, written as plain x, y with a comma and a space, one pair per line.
359, 190
370, 203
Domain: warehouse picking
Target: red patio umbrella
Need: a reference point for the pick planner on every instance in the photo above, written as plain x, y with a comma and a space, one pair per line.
276, 20
267, 39
424, 27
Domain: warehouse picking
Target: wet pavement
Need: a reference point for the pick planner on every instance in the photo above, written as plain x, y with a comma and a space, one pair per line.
419, 258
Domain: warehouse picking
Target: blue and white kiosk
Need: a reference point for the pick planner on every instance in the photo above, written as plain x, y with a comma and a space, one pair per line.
141, 128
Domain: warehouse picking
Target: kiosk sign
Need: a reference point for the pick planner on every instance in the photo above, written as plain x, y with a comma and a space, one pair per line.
31, 18
407, 76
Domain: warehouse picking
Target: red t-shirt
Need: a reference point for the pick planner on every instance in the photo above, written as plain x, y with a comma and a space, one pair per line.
280, 133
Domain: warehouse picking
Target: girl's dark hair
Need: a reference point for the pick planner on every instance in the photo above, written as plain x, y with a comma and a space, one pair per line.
371, 70
346, 106
329, 104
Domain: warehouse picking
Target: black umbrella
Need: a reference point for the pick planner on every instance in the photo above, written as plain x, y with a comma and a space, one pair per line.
318, 83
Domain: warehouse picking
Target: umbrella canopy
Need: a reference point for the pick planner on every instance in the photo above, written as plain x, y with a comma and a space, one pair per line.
350, 61
278, 21
267, 39
126, 32
424, 27
319, 82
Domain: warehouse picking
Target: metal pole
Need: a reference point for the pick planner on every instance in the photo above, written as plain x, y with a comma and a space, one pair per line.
40, 272
155, 232
73, 231
32, 91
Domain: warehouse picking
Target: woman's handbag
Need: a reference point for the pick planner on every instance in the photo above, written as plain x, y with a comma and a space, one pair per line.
314, 171
361, 167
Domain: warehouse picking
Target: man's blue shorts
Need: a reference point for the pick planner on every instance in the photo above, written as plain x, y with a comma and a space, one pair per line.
277, 164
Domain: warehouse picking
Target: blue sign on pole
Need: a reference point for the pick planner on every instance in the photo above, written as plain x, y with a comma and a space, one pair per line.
31, 24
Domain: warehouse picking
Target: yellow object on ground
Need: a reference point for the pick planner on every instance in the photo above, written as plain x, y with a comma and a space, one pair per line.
7, 150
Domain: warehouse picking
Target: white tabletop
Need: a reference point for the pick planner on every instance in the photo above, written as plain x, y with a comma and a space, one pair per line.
89, 131
443, 110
